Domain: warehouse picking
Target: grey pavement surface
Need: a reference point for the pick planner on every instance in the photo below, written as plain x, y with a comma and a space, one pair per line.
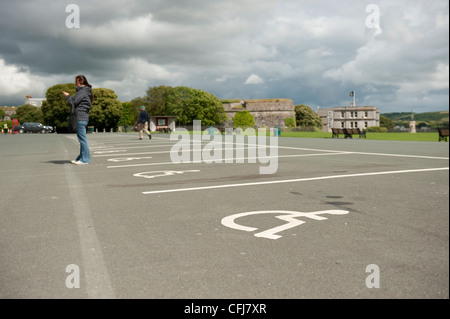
339, 219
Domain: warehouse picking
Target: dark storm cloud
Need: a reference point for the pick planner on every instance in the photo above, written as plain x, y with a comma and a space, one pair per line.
313, 52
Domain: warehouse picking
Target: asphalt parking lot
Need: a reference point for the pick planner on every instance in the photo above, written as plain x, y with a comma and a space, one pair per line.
338, 218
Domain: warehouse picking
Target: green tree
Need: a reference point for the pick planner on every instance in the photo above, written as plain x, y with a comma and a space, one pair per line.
159, 99
305, 116
186, 103
404, 124
106, 110
30, 113
2, 114
178, 102
205, 107
135, 105
421, 125
55, 108
386, 122
289, 122
129, 114
243, 119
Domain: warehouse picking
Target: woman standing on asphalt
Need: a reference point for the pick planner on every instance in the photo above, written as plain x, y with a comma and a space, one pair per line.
82, 101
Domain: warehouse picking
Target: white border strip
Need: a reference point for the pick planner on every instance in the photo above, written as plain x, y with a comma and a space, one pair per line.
95, 272
294, 180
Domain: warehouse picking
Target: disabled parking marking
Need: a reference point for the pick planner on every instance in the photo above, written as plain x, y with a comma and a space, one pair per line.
288, 216
164, 173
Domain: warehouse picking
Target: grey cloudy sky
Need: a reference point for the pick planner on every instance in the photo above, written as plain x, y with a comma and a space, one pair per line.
313, 52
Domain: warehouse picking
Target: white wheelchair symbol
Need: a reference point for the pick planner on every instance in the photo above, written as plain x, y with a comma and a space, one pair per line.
154, 174
289, 216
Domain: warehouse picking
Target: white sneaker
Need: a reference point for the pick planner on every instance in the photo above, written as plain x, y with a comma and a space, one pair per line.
73, 162
80, 163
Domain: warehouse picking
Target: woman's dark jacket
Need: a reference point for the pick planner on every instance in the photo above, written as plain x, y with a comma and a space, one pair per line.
82, 102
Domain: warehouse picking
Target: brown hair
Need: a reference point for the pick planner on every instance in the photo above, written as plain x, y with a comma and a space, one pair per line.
82, 80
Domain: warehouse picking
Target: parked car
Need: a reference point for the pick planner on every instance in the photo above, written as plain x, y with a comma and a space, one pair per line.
18, 129
32, 127
49, 128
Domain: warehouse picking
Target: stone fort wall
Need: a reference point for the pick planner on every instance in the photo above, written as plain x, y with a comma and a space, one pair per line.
267, 112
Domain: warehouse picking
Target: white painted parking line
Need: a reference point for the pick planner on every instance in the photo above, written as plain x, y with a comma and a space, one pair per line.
138, 143
295, 180
128, 154
126, 159
101, 147
109, 151
139, 146
239, 158
402, 155
160, 152
279, 156
144, 164
302, 149
134, 139
363, 153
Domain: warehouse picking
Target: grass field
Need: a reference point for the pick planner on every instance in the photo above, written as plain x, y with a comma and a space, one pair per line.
424, 137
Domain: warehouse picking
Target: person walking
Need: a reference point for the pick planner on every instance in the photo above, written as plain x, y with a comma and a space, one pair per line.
82, 101
5, 128
143, 123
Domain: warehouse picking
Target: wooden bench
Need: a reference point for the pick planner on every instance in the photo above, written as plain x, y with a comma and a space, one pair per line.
348, 132
337, 131
443, 134
355, 131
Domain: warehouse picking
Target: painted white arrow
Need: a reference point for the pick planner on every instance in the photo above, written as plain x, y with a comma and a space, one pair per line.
289, 216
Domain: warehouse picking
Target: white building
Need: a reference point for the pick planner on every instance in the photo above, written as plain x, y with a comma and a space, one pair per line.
349, 117
34, 101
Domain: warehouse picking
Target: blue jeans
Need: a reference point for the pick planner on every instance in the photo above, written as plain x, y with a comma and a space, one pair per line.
85, 155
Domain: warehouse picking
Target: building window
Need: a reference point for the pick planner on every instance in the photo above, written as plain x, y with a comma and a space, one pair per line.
342, 114
366, 114
356, 124
365, 124
342, 124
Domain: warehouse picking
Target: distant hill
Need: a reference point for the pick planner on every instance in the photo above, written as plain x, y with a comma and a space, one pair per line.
442, 116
